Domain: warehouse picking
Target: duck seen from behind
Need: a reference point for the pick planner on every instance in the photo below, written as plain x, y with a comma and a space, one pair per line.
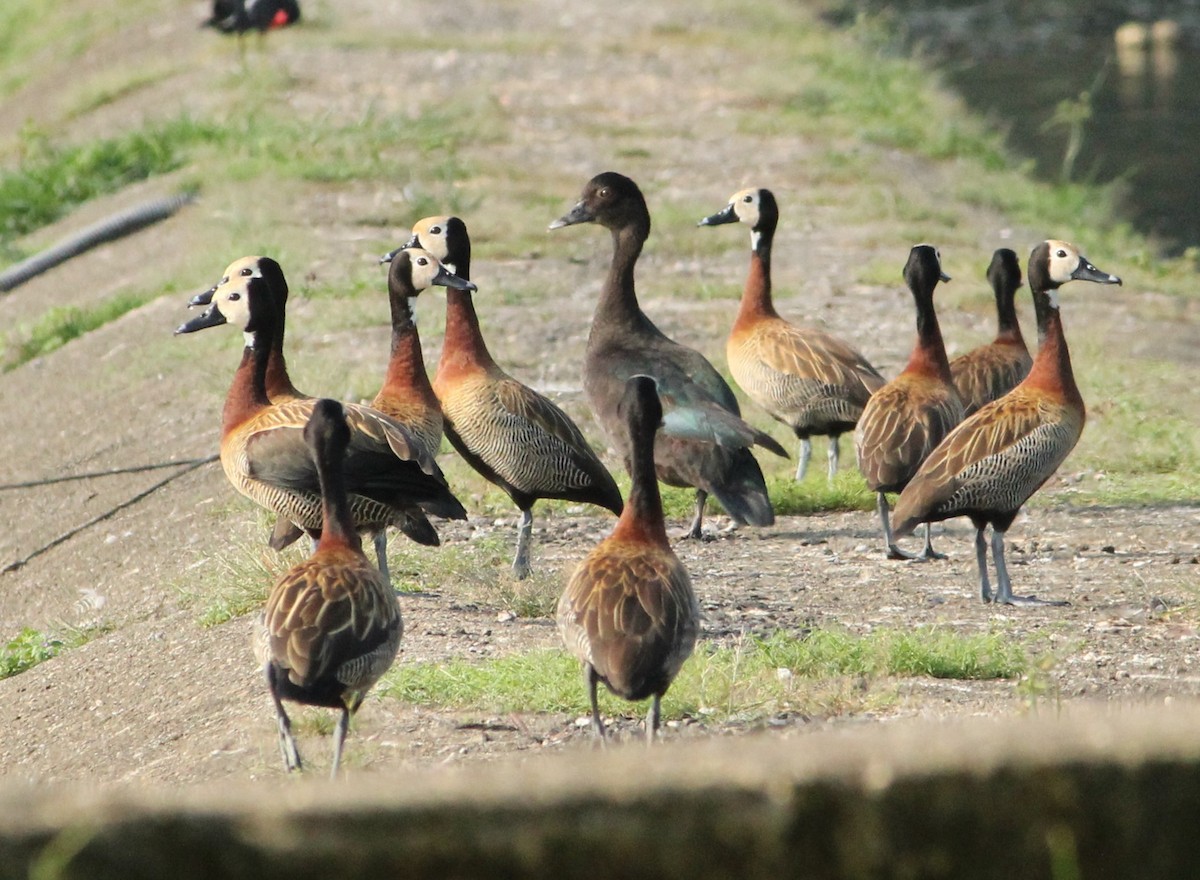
813, 382
263, 453
990, 465
704, 443
908, 417
331, 626
512, 435
628, 612
990, 371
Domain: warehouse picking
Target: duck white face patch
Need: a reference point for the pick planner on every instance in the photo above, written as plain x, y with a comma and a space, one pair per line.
1064, 259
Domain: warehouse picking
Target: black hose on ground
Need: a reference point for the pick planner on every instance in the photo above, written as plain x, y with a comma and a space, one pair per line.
109, 229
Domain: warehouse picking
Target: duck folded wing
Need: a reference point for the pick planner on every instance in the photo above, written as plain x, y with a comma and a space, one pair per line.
324, 630
369, 428
995, 459
814, 355
527, 406
900, 436
712, 424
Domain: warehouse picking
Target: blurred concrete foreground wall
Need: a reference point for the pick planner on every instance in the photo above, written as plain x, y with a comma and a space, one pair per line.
1105, 793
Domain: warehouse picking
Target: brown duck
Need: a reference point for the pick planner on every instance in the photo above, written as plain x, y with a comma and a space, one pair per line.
332, 625
512, 435
628, 612
990, 465
990, 371
704, 442
407, 394
390, 480
906, 418
813, 382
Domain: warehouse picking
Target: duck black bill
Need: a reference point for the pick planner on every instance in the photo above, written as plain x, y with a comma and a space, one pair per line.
210, 317
202, 299
1085, 271
726, 215
579, 214
446, 278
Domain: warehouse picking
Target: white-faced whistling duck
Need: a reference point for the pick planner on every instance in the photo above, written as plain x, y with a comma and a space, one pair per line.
390, 479
906, 418
239, 16
704, 443
407, 394
279, 382
331, 626
813, 382
991, 463
513, 436
990, 371
629, 613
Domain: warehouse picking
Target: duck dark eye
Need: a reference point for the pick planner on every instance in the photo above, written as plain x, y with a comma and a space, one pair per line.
1061, 253
224, 280
234, 297
435, 230
421, 261
246, 272
603, 192
747, 199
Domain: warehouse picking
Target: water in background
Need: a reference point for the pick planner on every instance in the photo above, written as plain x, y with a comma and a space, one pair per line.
1143, 126
1127, 89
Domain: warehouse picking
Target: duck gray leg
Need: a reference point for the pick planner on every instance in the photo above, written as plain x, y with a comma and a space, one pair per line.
893, 552
1004, 593
985, 589
339, 740
803, 458
520, 565
653, 719
380, 541
928, 552
694, 531
592, 680
287, 743
835, 443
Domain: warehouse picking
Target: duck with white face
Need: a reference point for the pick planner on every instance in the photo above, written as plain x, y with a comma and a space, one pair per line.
389, 478
990, 465
812, 381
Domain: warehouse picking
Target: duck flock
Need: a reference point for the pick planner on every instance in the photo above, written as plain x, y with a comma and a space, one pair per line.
972, 437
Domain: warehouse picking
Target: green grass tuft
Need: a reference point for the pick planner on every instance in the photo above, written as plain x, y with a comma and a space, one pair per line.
479, 571
50, 179
817, 495
58, 326
231, 584
753, 679
30, 647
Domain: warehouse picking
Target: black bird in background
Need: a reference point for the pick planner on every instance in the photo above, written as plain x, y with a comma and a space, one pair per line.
239, 16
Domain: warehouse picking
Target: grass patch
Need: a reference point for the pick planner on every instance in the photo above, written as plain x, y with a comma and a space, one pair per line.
234, 583
788, 498
816, 495
30, 647
479, 571
50, 179
58, 326
753, 679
